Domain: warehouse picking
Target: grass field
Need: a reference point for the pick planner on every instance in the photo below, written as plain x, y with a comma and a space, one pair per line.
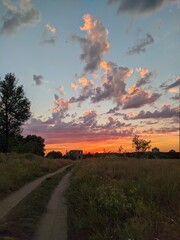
18, 169
118, 199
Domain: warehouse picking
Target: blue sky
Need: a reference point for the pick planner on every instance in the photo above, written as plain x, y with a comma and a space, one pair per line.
102, 70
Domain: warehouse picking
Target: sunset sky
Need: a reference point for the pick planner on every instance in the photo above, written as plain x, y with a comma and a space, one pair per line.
97, 72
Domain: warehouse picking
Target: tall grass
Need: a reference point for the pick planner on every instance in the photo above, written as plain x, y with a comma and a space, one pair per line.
133, 199
17, 169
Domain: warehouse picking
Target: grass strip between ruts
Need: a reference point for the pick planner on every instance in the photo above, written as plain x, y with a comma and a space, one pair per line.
22, 222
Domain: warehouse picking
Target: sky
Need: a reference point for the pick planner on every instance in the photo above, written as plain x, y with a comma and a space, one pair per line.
97, 73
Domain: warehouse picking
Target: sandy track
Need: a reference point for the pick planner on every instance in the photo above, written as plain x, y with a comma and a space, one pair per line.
8, 203
53, 225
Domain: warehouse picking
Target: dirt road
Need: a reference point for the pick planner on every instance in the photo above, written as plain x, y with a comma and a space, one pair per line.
53, 225
8, 203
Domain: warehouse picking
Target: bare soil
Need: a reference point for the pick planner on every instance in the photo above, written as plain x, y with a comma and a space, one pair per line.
53, 225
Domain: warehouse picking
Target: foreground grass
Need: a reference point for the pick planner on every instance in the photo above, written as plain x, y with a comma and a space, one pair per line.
22, 222
125, 199
18, 169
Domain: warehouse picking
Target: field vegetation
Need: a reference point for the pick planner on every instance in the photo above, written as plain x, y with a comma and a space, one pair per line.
125, 199
18, 169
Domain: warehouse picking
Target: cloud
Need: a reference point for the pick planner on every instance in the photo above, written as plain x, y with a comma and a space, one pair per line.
61, 106
172, 87
144, 80
49, 35
95, 45
38, 79
18, 16
78, 130
142, 72
51, 28
138, 7
89, 119
176, 97
114, 123
138, 97
86, 91
74, 86
165, 112
141, 45
114, 85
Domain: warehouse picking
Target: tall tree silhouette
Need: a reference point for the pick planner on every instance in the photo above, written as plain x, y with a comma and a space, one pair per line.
14, 108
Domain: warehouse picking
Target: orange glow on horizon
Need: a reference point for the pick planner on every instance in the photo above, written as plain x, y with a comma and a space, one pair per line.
163, 142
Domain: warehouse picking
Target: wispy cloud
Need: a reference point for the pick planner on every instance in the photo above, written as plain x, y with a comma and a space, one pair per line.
138, 7
166, 112
49, 35
173, 87
141, 45
18, 15
95, 45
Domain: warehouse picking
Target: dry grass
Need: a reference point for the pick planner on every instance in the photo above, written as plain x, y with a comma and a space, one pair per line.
18, 169
133, 199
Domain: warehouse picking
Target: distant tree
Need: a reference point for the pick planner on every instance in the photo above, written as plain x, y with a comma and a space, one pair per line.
140, 145
172, 151
120, 149
14, 109
54, 154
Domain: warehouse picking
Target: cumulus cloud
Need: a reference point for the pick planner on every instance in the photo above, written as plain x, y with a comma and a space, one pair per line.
95, 45
114, 85
38, 79
18, 15
138, 97
166, 112
141, 45
49, 35
114, 123
86, 91
89, 119
138, 7
61, 106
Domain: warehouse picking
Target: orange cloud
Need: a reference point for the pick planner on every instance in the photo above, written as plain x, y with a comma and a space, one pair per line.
51, 28
74, 86
142, 72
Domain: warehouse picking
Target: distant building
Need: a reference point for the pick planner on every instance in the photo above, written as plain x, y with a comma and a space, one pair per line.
155, 150
75, 154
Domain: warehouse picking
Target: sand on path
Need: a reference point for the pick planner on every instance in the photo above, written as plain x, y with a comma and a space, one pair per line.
53, 225
11, 201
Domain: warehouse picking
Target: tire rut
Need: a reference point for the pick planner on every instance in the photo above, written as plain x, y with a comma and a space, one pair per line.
53, 225
7, 204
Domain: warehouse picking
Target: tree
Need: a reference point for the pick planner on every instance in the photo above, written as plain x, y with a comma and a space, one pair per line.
14, 108
31, 144
140, 145
54, 154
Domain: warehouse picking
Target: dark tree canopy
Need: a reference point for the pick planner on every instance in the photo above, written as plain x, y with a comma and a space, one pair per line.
54, 154
32, 144
14, 109
140, 145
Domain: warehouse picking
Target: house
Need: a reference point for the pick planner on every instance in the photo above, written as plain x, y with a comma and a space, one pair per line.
75, 154
155, 150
